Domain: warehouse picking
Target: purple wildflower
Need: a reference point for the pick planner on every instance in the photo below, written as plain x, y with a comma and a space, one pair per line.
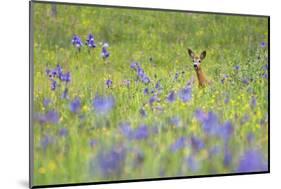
141, 132
146, 91
226, 130
175, 121
171, 96
76, 41
103, 104
111, 162
252, 161
65, 77
53, 85
153, 99
75, 105
250, 137
197, 144
104, 53
90, 42
125, 129
65, 94
226, 100
227, 159
193, 164
246, 81
201, 115
179, 144
158, 85
237, 67
108, 83
253, 102
185, 94
263, 44
52, 116
63, 132
45, 141
135, 66
46, 102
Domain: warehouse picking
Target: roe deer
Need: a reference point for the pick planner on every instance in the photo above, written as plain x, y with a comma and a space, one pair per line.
202, 81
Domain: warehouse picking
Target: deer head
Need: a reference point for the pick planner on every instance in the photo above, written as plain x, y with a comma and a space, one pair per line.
197, 60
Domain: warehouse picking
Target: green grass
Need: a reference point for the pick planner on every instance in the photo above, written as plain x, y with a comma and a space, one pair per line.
158, 41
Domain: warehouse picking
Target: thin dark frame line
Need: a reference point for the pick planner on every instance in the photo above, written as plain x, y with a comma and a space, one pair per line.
268, 95
31, 137
149, 179
147, 8
129, 180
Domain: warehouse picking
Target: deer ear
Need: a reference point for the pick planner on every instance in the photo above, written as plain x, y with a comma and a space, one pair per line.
191, 54
203, 55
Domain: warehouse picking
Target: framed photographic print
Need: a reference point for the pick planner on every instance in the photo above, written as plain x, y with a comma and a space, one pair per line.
122, 94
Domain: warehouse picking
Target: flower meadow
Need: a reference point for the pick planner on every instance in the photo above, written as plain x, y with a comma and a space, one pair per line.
116, 95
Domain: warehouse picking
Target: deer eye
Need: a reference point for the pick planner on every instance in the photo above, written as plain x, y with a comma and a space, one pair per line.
199, 61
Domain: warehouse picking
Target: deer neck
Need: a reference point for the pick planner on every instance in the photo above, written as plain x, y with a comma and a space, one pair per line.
201, 77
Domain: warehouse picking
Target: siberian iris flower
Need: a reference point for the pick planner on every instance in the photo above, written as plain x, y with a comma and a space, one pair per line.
153, 99
146, 91
56, 75
171, 96
90, 42
197, 144
227, 159
111, 162
77, 42
52, 116
135, 65
53, 85
201, 115
125, 129
65, 77
104, 52
210, 123
140, 72
141, 132
225, 131
263, 44
237, 67
65, 94
175, 121
253, 102
103, 104
75, 105
49, 117
63, 132
108, 83
193, 164
252, 161
158, 85
46, 102
45, 141
179, 144
185, 94
59, 70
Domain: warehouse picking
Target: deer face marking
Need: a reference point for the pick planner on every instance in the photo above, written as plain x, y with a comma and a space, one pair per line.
196, 59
